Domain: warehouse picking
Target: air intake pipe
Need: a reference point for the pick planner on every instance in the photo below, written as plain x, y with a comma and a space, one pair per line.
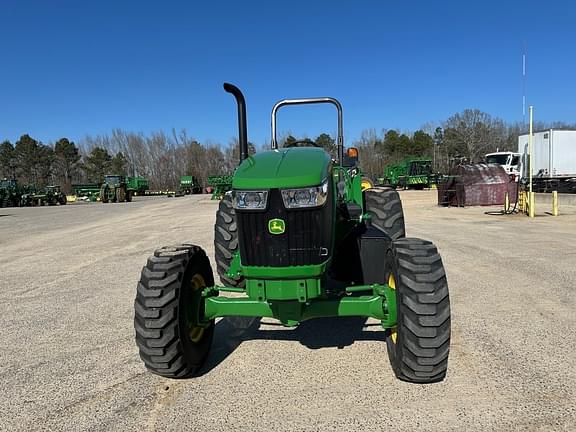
242, 129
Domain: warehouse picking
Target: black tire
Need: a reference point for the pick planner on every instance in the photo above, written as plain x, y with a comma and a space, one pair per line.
170, 285
129, 196
226, 241
120, 195
418, 347
104, 194
385, 207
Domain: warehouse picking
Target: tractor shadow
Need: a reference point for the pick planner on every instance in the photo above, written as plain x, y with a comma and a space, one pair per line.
317, 333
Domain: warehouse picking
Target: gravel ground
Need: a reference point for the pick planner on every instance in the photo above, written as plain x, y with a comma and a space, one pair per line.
69, 362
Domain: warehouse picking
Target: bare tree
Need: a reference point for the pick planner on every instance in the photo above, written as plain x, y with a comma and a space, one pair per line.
473, 133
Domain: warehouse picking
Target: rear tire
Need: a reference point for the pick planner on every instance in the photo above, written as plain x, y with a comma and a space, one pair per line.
366, 183
120, 194
385, 207
419, 345
226, 241
168, 308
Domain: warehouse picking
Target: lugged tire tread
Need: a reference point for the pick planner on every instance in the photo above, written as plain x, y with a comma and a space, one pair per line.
156, 320
421, 355
226, 241
385, 207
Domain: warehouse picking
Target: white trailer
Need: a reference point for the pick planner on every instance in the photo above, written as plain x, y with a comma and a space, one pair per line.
554, 153
553, 159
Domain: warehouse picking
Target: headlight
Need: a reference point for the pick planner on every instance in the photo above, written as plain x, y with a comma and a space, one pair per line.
249, 200
305, 197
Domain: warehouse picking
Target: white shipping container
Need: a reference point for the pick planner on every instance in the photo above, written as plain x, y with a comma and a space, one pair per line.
554, 153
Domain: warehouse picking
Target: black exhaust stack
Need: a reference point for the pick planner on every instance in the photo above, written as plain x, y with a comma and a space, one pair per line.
242, 129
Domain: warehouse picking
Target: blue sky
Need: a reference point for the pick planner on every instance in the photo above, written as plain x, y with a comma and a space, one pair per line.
77, 68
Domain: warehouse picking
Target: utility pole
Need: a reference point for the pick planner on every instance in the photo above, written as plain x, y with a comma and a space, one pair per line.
531, 193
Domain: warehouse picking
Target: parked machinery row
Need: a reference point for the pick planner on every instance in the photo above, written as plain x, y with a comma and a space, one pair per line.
14, 195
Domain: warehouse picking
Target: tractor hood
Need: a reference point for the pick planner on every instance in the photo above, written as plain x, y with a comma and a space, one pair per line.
284, 168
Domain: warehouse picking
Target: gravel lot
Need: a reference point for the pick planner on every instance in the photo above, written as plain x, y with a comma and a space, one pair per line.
69, 362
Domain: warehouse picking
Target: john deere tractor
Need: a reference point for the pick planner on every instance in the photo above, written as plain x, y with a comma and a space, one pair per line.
115, 189
297, 238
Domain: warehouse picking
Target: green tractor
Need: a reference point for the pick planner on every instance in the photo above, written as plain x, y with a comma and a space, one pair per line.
53, 195
10, 193
296, 238
115, 189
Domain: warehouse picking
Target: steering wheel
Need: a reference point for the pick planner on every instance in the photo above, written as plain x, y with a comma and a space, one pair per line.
302, 143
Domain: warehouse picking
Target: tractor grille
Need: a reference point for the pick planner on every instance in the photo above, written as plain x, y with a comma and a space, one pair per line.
306, 241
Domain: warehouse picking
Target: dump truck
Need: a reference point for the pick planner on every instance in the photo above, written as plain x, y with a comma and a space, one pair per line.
190, 185
115, 189
410, 173
296, 238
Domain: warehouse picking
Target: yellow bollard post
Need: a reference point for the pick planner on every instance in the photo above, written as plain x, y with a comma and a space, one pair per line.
531, 200
554, 203
524, 202
506, 203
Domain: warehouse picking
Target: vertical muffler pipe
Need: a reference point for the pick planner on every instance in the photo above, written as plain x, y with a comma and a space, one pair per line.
242, 129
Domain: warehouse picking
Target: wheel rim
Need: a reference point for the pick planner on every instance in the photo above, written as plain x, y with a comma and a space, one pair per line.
365, 184
196, 332
393, 330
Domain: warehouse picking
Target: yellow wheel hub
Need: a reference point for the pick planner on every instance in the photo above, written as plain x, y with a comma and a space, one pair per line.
194, 332
393, 330
365, 184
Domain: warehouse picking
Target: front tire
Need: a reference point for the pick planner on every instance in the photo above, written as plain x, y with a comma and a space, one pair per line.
226, 241
419, 345
385, 209
170, 333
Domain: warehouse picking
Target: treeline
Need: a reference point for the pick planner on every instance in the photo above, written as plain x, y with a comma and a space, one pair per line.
465, 136
163, 158
160, 157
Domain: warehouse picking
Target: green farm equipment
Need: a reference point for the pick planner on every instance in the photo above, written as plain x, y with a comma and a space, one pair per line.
87, 191
10, 193
53, 195
137, 185
220, 184
411, 173
190, 185
115, 189
295, 239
